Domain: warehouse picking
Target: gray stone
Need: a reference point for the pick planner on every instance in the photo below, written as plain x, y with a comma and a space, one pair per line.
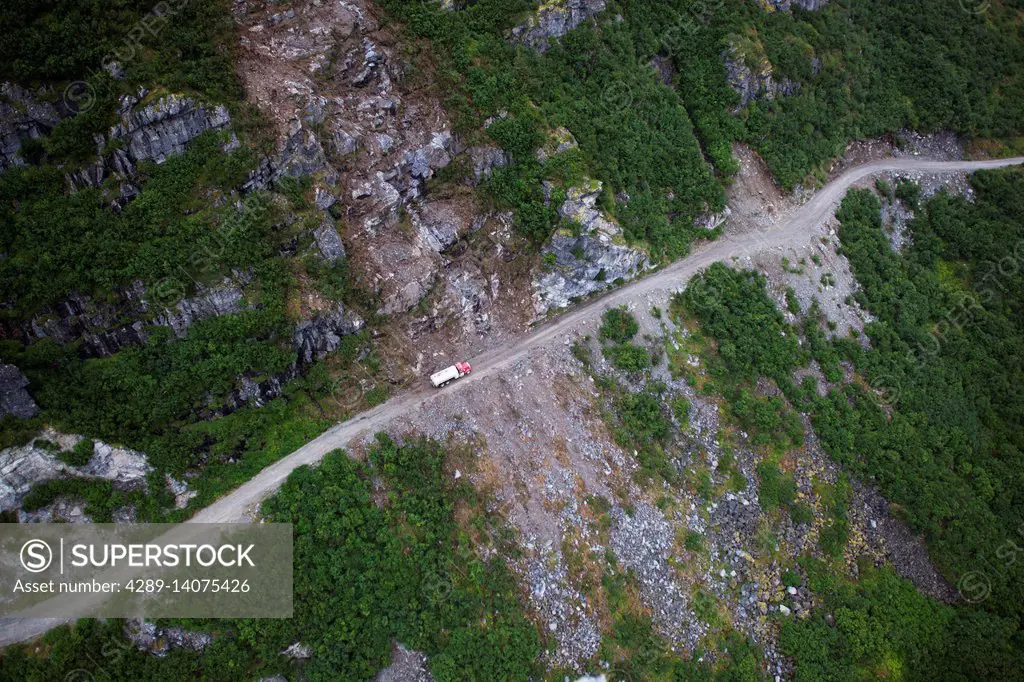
555, 19
24, 466
182, 493
226, 299
314, 339
298, 651
483, 160
328, 242
125, 468
711, 221
787, 5
163, 129
14, 398
440, 225
754, 83
61, 510
560, 141
433, 156
342, 143
586, 262
158, 641
22, 117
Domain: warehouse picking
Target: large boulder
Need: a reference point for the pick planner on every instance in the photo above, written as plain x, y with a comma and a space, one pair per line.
14, 398
328, 242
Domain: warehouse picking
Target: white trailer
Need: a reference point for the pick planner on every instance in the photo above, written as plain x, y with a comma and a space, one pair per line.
450, 374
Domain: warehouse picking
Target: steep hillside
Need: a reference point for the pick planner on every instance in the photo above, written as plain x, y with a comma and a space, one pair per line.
227, 226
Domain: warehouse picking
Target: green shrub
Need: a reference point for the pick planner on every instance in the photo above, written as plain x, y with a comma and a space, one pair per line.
79, 455
628, 358
618, 325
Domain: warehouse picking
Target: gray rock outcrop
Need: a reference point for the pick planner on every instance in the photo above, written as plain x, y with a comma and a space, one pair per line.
159, 641
314, 339
225, 299
586, 262
712, 221
14, 397
101, 327
554, 19
441, 224
787, 5
22, 117
164, 128
559, 141
24, 466
483, 160
154, 132
754, 83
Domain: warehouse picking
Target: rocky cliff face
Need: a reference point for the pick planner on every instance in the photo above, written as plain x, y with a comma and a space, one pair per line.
554, 19
101, 326
23, 467
787, 5
164, 128
22, 117
757, 82
327, 74
154, 132
314, 339
14, 397
585, 262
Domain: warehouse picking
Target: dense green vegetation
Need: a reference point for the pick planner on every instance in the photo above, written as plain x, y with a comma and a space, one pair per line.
937, 426
168, 236
186, 228
366, 574
180, 46
862, 68
881, 627
947, 359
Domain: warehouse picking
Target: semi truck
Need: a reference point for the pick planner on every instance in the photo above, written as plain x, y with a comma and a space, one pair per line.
447, 376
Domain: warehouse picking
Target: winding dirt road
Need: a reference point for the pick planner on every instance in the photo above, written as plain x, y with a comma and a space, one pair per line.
791, 229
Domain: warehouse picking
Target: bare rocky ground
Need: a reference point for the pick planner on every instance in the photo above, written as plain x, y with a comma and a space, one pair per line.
354, 110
